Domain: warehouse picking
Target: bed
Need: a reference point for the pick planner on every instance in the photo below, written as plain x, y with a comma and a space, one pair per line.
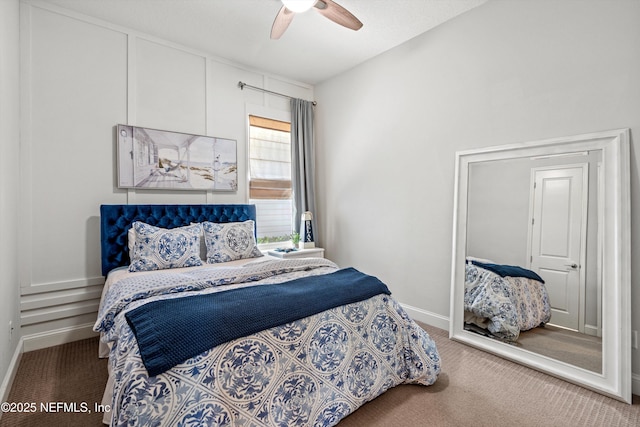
247, 340
503, 300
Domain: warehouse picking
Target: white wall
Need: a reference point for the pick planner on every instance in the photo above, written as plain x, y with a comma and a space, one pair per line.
9, 190
498, 210
502, 73
387, 133
81, 77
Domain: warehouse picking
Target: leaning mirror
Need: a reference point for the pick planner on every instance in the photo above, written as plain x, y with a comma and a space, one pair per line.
541, 257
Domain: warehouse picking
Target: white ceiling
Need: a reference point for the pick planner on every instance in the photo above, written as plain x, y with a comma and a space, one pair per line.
313, 48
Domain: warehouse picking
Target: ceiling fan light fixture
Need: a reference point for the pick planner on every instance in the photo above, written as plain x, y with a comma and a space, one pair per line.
298, 6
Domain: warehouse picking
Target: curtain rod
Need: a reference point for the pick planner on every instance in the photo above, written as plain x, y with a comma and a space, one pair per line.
242, 85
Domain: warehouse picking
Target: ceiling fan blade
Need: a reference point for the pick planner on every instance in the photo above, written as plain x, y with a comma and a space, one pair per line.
338, 14
281, 23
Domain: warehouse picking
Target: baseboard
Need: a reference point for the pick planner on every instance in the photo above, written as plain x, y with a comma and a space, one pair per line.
591, 330
7, 382
635, 384
58, 336
427, 317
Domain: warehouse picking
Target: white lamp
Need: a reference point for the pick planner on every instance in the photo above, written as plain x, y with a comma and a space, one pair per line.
298, 6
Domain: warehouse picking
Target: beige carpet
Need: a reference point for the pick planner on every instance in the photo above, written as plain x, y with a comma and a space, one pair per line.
478, 389
474, 389
69, 373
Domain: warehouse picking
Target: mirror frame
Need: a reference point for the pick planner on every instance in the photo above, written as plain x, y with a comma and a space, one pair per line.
615, 379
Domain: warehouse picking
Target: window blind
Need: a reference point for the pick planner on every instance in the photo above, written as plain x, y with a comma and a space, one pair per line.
269, 159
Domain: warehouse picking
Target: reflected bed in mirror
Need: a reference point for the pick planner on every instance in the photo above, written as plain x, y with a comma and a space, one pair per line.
541, 259
516, 309
540, 214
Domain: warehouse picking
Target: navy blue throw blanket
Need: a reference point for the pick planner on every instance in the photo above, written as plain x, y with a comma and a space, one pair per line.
173, 330
503, 270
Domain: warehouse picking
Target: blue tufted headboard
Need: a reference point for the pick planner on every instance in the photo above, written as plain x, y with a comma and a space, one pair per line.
115, 221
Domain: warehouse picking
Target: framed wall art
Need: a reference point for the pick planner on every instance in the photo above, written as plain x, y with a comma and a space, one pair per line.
159, 159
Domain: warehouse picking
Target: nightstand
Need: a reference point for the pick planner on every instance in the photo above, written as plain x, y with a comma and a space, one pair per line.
300, 253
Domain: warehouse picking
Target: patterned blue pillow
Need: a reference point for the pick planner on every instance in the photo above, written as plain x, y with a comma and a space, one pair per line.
230, 241
160, 248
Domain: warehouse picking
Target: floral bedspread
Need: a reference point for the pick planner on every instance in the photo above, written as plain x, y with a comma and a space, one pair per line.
311, 372
504, 306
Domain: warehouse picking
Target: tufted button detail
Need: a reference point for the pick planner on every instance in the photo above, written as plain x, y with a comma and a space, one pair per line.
115, 221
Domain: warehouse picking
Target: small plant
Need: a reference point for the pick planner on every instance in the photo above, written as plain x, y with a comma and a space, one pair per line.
277, 239
295, 238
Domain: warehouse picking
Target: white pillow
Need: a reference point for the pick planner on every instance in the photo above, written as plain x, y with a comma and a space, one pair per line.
158, 248
131, 240
482, 260
230, 241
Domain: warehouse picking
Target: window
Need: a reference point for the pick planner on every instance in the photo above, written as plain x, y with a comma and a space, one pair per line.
270, 178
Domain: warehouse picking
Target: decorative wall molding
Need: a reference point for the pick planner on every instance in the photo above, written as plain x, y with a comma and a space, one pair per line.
58, 337
62, 302
68, 298
42, 288
35, 301
133, 33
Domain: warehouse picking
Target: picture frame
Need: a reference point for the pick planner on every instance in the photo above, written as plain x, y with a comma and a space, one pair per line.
164, 160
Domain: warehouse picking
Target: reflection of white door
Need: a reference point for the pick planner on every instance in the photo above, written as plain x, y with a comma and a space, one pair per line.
558, 237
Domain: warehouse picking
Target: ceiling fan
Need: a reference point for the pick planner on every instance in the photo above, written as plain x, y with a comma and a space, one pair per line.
327, 8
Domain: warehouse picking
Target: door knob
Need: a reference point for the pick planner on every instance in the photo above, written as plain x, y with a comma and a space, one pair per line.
574, 266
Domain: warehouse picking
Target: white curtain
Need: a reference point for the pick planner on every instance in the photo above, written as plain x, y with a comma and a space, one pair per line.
303, 162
